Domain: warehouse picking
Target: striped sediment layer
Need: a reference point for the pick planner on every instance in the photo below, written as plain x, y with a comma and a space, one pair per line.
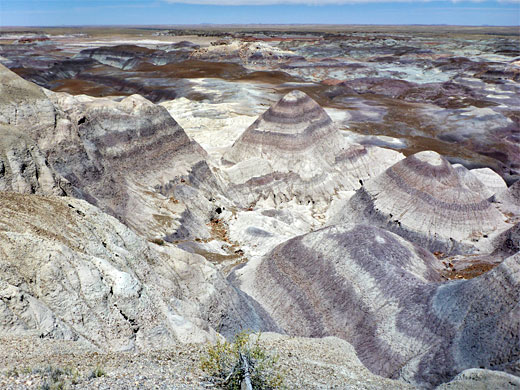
384, 296
293, 127
133, 136
129, 157
295, 150
425, 200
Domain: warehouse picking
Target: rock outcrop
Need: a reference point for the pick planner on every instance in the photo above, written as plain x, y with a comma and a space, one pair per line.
294, 150
423, 199
70, 271
384, 296
100, 159
94, 144
24, 104
24, 169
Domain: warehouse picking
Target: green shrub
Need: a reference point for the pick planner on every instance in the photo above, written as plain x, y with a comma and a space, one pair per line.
13, 373
97, 372
54, 380
226, 364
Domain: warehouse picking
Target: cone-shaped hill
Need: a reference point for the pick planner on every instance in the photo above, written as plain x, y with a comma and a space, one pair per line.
424, 199
293, 127
295, 150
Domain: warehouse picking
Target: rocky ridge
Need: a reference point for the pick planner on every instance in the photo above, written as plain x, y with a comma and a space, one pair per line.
116, 291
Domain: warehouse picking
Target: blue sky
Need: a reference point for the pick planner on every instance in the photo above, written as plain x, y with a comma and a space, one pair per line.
146, 12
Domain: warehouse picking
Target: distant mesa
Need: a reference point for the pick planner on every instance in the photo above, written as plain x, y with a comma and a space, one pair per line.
294, 150
384, 296
425, 200
242, 52
131, 56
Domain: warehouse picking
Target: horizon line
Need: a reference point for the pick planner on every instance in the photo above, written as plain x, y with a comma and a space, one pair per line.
259, 24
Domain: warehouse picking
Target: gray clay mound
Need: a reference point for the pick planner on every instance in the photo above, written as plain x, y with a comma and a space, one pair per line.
295, 150
294, 126
425, 200
384, 296
128, 157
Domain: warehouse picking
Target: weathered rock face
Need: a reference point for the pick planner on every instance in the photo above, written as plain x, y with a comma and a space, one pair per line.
102, 160
294, 150
425, 200
70, 271
24, 104
384, 296
93, 143
23, 167
509, 200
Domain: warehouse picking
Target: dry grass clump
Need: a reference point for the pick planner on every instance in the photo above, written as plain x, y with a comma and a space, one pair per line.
244, 363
